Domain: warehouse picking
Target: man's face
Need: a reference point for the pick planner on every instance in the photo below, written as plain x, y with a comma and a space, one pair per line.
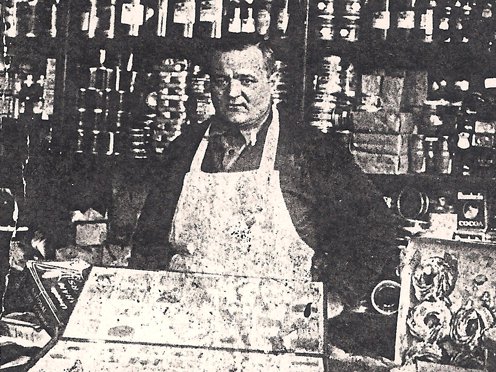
241, 86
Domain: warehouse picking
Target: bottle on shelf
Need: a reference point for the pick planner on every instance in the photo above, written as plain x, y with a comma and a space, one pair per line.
162, 17
281, 16
184, 17
247, 19
484, 26
424, 21
402, 20
9, 11
444, 21
263, 10
210, 19
133, 16
234, 17
380, 19
89, 18
106, 18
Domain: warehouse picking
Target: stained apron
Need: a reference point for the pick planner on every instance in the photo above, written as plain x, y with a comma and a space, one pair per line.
237, 223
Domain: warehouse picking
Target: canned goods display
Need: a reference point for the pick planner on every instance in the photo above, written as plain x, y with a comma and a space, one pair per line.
281, 83
171, 110
201, 102
334, 89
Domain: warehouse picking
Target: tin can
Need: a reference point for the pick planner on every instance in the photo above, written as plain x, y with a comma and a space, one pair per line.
417, 154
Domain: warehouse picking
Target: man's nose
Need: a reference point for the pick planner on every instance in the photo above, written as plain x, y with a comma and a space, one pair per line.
234, 88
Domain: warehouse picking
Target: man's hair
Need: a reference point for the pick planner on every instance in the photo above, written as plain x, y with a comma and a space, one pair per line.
242, 42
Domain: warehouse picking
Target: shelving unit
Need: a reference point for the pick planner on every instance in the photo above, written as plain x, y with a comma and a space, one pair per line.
328, 45
438, 56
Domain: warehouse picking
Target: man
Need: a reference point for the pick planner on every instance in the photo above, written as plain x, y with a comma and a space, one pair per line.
252, 192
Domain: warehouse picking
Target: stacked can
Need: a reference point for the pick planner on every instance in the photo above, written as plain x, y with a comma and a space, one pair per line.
334, 86
326, 85
348, 19
171, 102
324, 24
30, 92
201, 100
49, 89
92, 109
143, 113
31, 18
8, 100
281, 83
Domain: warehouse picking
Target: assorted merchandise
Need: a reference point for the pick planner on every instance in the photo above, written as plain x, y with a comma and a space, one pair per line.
424, 21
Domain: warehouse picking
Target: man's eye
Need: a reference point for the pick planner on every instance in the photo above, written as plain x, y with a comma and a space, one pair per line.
220, 81
247, 82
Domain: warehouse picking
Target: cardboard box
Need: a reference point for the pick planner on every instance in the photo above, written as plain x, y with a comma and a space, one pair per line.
485, 127
371, 85
379, 143
483, 140
381, 163
160, 320
91, 232
391, 93
52, 290
415, 89
91, 254
471, 210
389, 122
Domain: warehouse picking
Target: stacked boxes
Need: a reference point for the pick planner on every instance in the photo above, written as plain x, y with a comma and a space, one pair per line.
385, 124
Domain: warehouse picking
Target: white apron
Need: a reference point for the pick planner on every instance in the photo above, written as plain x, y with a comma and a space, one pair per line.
237, 223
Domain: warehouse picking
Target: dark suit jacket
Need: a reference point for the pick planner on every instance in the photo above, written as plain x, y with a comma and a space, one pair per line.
334, 207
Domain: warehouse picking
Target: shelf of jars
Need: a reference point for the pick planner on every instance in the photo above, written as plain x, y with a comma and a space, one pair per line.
135, 73
33, 35
449, 22
410, 85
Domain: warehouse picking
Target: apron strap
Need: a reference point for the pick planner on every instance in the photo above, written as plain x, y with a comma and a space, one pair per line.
268, 155
200, 152
270, 147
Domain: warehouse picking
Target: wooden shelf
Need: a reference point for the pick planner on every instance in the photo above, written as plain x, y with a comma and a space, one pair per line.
453, 58
35, 48
431, 182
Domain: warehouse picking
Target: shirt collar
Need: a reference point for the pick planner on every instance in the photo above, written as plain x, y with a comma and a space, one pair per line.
221, 128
